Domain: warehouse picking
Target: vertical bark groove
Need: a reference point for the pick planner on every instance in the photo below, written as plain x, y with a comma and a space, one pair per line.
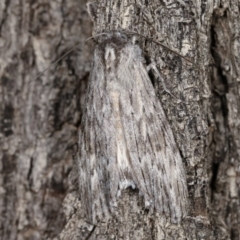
225, 196
39, 121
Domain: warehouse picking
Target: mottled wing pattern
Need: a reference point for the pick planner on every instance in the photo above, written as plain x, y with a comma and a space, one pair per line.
125, 138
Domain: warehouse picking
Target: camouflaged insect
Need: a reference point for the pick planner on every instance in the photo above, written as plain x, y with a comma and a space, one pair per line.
125, 139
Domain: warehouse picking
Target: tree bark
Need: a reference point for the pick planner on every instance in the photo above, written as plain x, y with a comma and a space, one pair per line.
39, 122
39, 118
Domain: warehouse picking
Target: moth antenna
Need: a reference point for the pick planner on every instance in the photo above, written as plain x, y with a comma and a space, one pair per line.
162, 45
64, 55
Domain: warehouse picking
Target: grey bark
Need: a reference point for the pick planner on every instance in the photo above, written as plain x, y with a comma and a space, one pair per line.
39, 122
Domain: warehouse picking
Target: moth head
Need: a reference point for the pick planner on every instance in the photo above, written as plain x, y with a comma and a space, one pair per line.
110, 54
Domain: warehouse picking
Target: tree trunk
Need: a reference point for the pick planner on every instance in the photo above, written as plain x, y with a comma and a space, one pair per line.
39, 118
39, 121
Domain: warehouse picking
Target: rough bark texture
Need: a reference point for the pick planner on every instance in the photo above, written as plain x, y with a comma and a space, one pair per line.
39, 122
225, 31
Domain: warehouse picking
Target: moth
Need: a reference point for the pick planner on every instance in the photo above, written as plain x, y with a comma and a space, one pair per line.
125, 139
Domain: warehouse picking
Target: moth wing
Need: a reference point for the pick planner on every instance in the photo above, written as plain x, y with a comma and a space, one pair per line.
155, 161
97, 150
